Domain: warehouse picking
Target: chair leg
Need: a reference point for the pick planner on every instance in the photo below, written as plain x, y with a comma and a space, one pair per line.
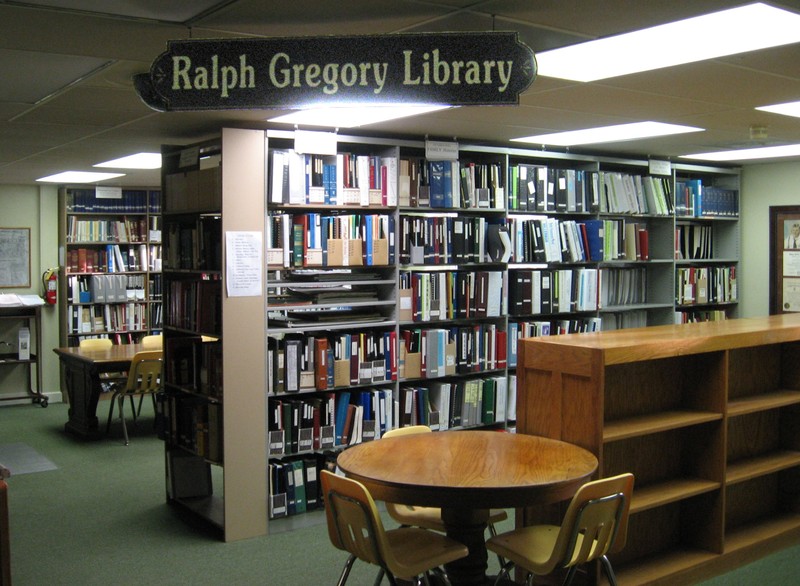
346, 570
493, 533
441, 573
379, 577
570, 575
110, 412
612, 578
122, 417
505, 570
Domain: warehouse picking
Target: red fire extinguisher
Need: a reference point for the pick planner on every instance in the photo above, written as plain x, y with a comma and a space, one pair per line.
50, 283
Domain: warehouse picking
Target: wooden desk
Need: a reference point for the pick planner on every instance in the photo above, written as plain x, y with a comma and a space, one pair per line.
82, 369
466, 473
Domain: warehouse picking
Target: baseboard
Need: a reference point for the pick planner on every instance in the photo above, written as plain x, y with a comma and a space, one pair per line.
54, 397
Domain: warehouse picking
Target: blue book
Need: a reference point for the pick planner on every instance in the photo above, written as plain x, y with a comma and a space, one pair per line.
594, 234
437, 183
110, 258
368, 239
448, 184
342, 404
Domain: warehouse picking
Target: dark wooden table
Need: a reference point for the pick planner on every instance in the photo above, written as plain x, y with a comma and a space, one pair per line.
82, 369
466, 473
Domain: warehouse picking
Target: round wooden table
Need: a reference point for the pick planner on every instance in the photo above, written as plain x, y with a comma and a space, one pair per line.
466, 473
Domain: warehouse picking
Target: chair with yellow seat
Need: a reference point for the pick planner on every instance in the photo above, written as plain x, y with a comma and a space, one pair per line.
144, 378
95, 343
594, 525
355, 526
107, 379
429, 517
152, 342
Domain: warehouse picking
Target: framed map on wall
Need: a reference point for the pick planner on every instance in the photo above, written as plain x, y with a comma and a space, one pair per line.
15, 257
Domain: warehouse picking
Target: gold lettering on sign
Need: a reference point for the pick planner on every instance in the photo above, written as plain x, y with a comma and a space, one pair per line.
213, 77
433, 70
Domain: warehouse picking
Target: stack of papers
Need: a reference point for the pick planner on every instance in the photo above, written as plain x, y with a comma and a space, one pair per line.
14, 300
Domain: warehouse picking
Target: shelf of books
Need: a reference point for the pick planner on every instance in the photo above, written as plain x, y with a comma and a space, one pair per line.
332, 362
706, 245
111, 281
213, 401
398, 282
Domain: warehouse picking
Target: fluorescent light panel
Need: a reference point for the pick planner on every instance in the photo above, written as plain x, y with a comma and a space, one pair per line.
789, 150
787, 109
614, 133
728, 32
79, 177
353, 115
137, 161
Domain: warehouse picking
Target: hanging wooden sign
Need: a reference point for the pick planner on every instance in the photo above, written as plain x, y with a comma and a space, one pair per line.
432, 68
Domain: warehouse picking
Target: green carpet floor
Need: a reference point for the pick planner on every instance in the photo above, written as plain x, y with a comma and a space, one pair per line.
100, 518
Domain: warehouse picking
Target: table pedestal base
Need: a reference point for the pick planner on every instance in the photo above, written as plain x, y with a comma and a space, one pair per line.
468, 527
83, 393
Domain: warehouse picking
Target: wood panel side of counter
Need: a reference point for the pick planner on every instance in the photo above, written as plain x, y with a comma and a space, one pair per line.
560, 392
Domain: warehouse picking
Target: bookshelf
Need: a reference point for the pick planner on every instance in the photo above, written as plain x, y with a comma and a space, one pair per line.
701, 413
332, 309
706, 246
399, 297
110, 282
214, 401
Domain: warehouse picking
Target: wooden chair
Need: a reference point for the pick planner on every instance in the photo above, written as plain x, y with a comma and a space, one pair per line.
594, 525
429, 517
144, 377
355, 526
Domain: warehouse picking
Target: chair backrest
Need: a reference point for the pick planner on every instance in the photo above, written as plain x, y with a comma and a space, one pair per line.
144, 375
407, 430
354, 524
596, 521
95, 343
397, 511
152, 342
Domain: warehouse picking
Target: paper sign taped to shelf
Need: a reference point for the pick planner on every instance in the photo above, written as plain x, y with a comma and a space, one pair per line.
105, 192
243, 275
438, 150
317, 143
658, 167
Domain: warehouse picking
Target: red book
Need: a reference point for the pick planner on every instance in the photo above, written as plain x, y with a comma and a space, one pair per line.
321, 363
348, 424
644, 248
501, 348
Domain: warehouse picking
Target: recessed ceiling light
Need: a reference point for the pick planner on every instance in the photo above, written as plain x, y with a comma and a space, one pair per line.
353, 115
79, 177
614, 133
137, 161
788, 150
787, 109
728, 32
